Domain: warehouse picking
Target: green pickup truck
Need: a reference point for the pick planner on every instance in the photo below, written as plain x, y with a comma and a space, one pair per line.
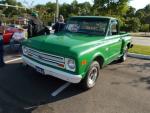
77, 53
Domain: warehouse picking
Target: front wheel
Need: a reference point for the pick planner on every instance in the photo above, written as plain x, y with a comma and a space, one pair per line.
91, 76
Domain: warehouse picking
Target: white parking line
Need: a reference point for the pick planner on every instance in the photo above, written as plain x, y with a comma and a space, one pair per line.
32, 107
13, 60
60, 89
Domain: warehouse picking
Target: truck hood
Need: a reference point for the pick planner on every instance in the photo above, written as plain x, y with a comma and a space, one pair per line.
62, 43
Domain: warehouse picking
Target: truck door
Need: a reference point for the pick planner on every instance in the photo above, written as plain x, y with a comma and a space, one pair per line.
114, 39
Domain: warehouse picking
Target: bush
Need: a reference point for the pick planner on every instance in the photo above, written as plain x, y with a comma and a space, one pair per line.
144, 28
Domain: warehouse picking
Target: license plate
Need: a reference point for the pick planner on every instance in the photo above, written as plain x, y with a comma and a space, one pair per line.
40, 70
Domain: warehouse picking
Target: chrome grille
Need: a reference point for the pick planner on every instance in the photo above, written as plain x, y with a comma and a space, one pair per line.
46, 58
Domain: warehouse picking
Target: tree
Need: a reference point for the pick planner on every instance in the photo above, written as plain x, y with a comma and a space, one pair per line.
140, 14
133, 24
84, 8
111, 7
10, 11
147, 9
147, 21
65, 10
143, 15
75, 7
46, 12
131, 12
51, 7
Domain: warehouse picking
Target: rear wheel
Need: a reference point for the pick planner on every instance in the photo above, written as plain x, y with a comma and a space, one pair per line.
91, 76
124, 56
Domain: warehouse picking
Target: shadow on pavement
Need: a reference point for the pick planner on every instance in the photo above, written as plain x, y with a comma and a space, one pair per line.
143, 70
141, 67
23, 90
145, 79
138, 67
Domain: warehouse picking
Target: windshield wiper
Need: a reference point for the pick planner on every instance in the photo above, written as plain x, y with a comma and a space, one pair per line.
82, 32
89, 33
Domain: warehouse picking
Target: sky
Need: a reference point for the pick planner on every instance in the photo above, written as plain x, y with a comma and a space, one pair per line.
138, 4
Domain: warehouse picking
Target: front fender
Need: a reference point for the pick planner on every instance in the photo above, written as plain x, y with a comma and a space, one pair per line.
91, 58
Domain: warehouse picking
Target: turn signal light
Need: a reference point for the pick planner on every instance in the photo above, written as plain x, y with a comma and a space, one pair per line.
61, 65
84, 62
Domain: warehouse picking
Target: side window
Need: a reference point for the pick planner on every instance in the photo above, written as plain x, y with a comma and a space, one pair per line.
113, 30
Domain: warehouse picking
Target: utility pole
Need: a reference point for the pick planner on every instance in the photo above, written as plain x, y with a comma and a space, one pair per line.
57, 10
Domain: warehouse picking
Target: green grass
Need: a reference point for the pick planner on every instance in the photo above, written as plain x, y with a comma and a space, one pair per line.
145, 50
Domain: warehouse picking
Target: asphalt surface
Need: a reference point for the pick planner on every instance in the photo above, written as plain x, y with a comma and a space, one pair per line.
145, 41
121, 88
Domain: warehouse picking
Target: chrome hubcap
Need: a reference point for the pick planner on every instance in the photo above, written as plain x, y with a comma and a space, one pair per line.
125, 55
93, 76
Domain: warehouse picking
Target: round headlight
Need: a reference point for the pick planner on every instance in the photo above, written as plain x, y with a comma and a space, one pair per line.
71, 64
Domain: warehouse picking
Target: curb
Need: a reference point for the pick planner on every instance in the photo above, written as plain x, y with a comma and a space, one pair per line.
140, 56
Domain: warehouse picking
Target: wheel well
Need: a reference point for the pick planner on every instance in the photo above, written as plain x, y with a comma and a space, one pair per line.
100, 60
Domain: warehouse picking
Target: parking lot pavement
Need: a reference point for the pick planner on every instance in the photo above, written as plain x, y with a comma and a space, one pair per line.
145, 41
121, 88
10, 54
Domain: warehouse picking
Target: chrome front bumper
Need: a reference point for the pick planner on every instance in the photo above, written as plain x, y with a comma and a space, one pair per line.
53, 72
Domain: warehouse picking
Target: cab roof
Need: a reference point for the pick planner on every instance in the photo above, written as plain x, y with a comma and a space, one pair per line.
94, 17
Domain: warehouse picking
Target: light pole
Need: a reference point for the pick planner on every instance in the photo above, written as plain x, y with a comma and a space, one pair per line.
57, 10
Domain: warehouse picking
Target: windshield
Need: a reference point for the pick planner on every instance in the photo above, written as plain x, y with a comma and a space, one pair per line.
87, 26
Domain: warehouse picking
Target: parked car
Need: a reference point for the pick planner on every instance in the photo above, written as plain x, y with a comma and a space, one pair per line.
9, 32
77, 54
